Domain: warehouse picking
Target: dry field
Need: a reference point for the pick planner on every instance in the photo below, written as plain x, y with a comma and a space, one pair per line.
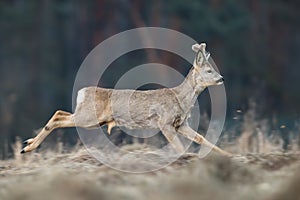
77, 175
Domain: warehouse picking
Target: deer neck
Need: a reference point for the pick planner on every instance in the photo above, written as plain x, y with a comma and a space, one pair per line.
188, 91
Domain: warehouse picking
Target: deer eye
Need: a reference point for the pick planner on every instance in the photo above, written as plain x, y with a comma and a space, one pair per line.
209, 71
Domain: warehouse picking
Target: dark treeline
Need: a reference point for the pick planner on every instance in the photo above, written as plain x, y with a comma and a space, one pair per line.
255, 44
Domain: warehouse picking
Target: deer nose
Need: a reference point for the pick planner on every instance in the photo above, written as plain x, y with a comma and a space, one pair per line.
220, 81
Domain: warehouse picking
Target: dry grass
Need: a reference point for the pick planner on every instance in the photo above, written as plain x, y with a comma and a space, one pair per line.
78, 175
263, 171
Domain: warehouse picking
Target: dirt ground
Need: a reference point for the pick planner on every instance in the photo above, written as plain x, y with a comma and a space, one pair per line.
78, 175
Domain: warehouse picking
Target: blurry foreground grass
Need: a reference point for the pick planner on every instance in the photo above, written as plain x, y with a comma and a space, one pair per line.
77, 175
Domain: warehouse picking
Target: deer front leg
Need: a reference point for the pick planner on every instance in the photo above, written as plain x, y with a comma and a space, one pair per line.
173, 139
60, 119
196, 137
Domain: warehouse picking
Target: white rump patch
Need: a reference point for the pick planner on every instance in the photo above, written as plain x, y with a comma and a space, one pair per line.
80, 96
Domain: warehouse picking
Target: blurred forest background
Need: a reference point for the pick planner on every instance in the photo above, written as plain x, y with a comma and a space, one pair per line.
254, 43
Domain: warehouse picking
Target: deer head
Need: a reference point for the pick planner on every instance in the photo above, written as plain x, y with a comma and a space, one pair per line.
205, 74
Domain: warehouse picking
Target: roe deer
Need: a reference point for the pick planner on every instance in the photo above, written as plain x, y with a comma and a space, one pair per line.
165, 109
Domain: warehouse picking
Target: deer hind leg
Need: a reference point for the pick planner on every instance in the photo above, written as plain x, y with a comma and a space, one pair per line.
173, 139
196, 137
60, 119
